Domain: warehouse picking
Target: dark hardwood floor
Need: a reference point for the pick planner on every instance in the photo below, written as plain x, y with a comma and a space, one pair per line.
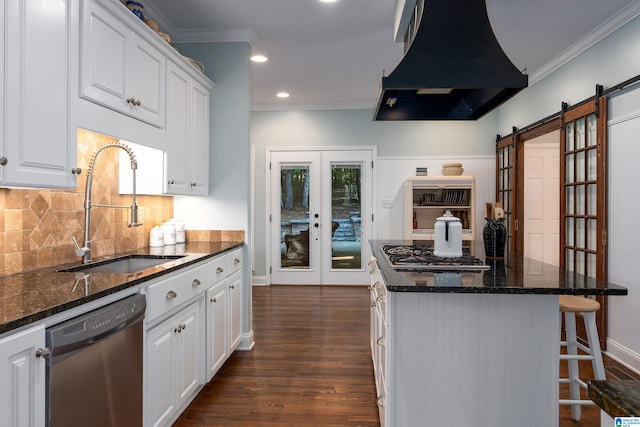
311, 366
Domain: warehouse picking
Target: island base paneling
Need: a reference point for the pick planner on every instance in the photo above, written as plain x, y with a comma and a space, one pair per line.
488, 359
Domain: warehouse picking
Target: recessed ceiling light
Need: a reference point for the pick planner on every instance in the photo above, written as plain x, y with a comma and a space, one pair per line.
282, 95
259, 58
328, 1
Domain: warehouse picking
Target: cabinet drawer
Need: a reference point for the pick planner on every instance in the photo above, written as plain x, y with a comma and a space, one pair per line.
218, 269
173, 291
235, 261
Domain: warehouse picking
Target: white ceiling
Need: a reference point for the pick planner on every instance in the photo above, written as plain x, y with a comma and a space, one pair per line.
333, 55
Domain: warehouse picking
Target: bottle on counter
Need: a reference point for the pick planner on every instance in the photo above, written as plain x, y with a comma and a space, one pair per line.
180, 233
169, 233
156, 237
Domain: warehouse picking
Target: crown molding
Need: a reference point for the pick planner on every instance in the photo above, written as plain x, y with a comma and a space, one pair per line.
306, 107
201, 35
625, 15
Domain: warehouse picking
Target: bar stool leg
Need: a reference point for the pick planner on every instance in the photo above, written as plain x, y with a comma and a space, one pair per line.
574, 373
594, 345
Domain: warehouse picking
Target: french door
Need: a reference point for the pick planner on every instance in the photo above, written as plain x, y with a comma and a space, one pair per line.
320, 216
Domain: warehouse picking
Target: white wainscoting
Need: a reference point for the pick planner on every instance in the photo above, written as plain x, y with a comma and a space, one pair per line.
623, 342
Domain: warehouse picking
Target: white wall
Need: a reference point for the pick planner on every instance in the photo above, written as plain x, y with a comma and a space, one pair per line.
611, 61
228, 205
623, 229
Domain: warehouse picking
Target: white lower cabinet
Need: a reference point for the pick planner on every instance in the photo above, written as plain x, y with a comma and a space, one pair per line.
22, 378
235, 310
217, 321
173, 364
224, 310
379, 336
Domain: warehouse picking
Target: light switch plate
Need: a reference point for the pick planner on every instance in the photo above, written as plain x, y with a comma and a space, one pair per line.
387, 203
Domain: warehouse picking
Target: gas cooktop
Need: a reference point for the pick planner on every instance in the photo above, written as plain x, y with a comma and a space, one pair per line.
418, 257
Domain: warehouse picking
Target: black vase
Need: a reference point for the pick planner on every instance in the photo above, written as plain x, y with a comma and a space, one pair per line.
495, 238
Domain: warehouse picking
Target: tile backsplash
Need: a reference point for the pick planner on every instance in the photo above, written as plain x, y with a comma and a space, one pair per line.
36, 225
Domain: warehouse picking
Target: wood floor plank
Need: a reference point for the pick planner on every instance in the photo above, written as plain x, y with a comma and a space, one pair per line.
311, 366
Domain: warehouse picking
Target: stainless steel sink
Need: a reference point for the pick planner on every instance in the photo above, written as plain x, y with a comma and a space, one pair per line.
124, 265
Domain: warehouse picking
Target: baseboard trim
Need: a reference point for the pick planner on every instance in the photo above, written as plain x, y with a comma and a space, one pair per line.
623, 355
259, 281
247, 342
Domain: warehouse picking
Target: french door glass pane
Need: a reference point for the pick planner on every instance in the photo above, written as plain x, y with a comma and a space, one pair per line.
569, 168
500, 159
580, 166
580, 262
591, 265
592, 208
591, 130
569, 233
294, 216
592, 170
569, 137
580, 133
569, 260
569, 201
346, 205
580, 199
592, 232
580, 233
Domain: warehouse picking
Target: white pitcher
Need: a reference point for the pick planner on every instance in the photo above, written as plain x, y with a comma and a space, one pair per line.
448, 236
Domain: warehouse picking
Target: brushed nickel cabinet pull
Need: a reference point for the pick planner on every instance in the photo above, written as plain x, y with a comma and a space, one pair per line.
3, 161
219, 270
195, 283
171, 295
236, 261
213, 300
76, 171
45, 353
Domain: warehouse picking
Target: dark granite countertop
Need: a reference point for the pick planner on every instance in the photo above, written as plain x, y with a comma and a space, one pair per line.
617, 398
31, 296
517, 275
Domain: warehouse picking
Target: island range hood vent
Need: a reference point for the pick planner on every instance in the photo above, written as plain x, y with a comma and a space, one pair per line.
453, 67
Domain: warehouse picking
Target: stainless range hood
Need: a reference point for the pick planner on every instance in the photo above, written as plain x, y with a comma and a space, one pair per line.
453, 68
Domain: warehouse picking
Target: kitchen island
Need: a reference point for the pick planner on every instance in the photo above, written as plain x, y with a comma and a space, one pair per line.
474, 348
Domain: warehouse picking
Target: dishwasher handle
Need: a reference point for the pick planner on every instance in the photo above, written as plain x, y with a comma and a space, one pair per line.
67, 338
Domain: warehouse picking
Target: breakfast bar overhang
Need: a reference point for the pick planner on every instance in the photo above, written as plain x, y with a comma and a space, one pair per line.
473, 348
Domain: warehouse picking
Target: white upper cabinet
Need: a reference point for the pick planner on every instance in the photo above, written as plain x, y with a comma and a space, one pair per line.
119, 69
187, 134
38, 116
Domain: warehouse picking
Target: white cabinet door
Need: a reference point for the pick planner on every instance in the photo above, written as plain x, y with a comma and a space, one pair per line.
38, 123
174, 364
216, 328
199, 140
189, 351
161, 357
120, 70
22, 379
147, 82
177, 129
187, 132
105, 57
235, 310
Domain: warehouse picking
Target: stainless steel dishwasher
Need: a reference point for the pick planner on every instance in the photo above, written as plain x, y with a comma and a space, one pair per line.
94, 371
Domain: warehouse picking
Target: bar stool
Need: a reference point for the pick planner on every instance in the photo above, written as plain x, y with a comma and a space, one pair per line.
587, 309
